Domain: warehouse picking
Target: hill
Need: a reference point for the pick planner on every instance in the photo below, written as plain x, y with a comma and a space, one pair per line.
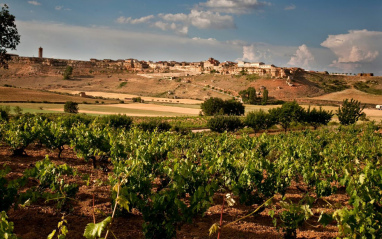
178, 85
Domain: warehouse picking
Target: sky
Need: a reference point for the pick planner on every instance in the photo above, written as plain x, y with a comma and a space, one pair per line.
326, 35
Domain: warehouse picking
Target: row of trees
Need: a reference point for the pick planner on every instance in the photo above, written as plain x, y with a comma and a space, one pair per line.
249, 96
286, 115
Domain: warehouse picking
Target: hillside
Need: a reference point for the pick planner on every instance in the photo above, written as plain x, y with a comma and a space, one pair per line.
306, 85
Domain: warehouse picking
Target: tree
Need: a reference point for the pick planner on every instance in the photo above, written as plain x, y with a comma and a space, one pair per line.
71, 107
259, 120
286, 114
317, 117
18, 110
215, 106
9, 35
249, 95
265, 97
68, 72
349, 112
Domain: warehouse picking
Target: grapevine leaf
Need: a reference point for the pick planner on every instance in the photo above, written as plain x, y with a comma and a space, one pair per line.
325, 219
51, 235
230, 201
123, 202
93, 231
214, 228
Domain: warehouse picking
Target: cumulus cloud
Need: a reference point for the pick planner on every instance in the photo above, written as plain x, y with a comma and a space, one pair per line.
290, 7
177, 28
252, 53
34, 3
235, 6
302, 58
201, 19
135, 21
356, 49
58, 8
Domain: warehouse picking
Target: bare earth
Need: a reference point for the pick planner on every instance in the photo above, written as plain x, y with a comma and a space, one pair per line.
40, 219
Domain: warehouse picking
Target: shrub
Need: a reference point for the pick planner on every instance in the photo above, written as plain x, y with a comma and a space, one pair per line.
71, 107
137, 99
18, 110
152, 125
317, 117
222, 123
258, 120
249, 95
215, 106
118, 121
68, 72
286, 114
349, 112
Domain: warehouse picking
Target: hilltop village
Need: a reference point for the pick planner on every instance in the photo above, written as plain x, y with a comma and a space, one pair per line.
189, 68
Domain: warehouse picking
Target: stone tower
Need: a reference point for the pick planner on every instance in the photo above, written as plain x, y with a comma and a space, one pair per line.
40, 52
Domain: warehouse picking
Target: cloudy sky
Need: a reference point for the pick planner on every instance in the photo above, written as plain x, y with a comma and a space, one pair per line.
332, 35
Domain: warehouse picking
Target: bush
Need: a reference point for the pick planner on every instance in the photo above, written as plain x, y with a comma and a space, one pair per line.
137, 99
286, 114
317, 117
349, 112
118, 121
68, 72
4, 113
258, 120
222, 123
215, 106
154, 125
71, 107
249, 95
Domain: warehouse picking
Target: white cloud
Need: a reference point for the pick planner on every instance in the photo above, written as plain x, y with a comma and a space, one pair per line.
235, 6
358, 49
201, 19
34, 3
290, 7
177, 28
58, 8
135, 21
302, 58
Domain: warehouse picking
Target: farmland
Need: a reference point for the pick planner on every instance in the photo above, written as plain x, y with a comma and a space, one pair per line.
315, 184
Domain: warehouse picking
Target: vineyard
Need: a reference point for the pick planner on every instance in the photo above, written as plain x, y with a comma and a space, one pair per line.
138, 183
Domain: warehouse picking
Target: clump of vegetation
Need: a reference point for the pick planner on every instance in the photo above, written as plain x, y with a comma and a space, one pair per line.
152, 125
122, 84
221, 123
286, 114
71, 107
328, 83
368, 87
316, 117
259, 120
349, 112
253, 77
118, 121
68, 72
138, 100
217, 106
249, 95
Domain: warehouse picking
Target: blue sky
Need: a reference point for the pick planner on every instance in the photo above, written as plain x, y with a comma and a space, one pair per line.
332, 35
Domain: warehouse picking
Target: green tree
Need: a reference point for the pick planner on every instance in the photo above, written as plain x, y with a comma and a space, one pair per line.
349, 112
68, 72
249, 95
286, 114
18, 110
317, 117
9, 37
265, 97
217, 106
71, 107
259, 120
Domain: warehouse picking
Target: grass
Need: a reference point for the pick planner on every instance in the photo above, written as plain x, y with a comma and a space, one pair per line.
367, 87
90, 108
328, 83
